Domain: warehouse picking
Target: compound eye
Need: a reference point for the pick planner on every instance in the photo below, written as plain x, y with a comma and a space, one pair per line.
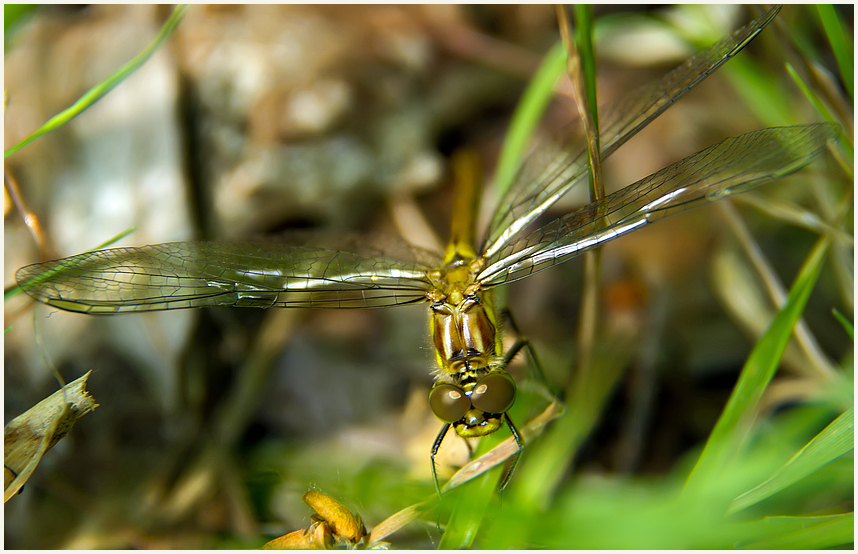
449, 402
494, 394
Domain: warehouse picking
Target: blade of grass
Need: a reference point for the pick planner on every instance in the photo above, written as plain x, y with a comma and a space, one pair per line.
845, 322
581, 67
471, 501
841, 44
844, 140
793, 214
732, 427
812, 97
832, 442
807, 532
806, 60
94, 94
818, 363
587, 65
761, 92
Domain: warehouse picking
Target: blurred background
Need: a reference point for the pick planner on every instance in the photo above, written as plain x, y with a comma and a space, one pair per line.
255, 120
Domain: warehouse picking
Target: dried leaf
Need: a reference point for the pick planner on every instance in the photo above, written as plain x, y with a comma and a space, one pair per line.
30, 435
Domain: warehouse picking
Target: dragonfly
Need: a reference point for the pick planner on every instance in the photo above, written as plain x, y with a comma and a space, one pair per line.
472, 392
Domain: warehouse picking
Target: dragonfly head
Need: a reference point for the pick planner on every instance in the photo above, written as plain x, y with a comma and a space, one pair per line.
475, 407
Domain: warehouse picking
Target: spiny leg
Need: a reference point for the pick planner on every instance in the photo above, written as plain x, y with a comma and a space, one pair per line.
519, 441
553, 393
438, 440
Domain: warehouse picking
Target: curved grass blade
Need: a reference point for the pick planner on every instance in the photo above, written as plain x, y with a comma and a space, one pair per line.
819, 105
581, 67
811, 96
582, 72
469, 510
732, 427
845, 322
94, 94
806, 532
832, 442
841, 45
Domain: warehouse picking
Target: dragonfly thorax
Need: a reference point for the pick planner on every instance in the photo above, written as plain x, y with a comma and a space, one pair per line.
463, 333
462, 317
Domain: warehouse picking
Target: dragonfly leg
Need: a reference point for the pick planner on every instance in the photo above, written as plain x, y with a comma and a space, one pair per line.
438, 440
510, 468
523, 343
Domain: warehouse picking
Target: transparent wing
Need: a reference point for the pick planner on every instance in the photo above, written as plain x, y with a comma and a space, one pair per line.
193, 274
542, 182
731, 166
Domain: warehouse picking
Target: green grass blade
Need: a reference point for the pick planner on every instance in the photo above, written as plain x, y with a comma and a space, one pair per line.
584, 44
806, 532
823, 110
94, 94
809, 94
115, 239
832, 442
588, 104
527, 115
841, 44
732, 427
470, 502
845, 322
